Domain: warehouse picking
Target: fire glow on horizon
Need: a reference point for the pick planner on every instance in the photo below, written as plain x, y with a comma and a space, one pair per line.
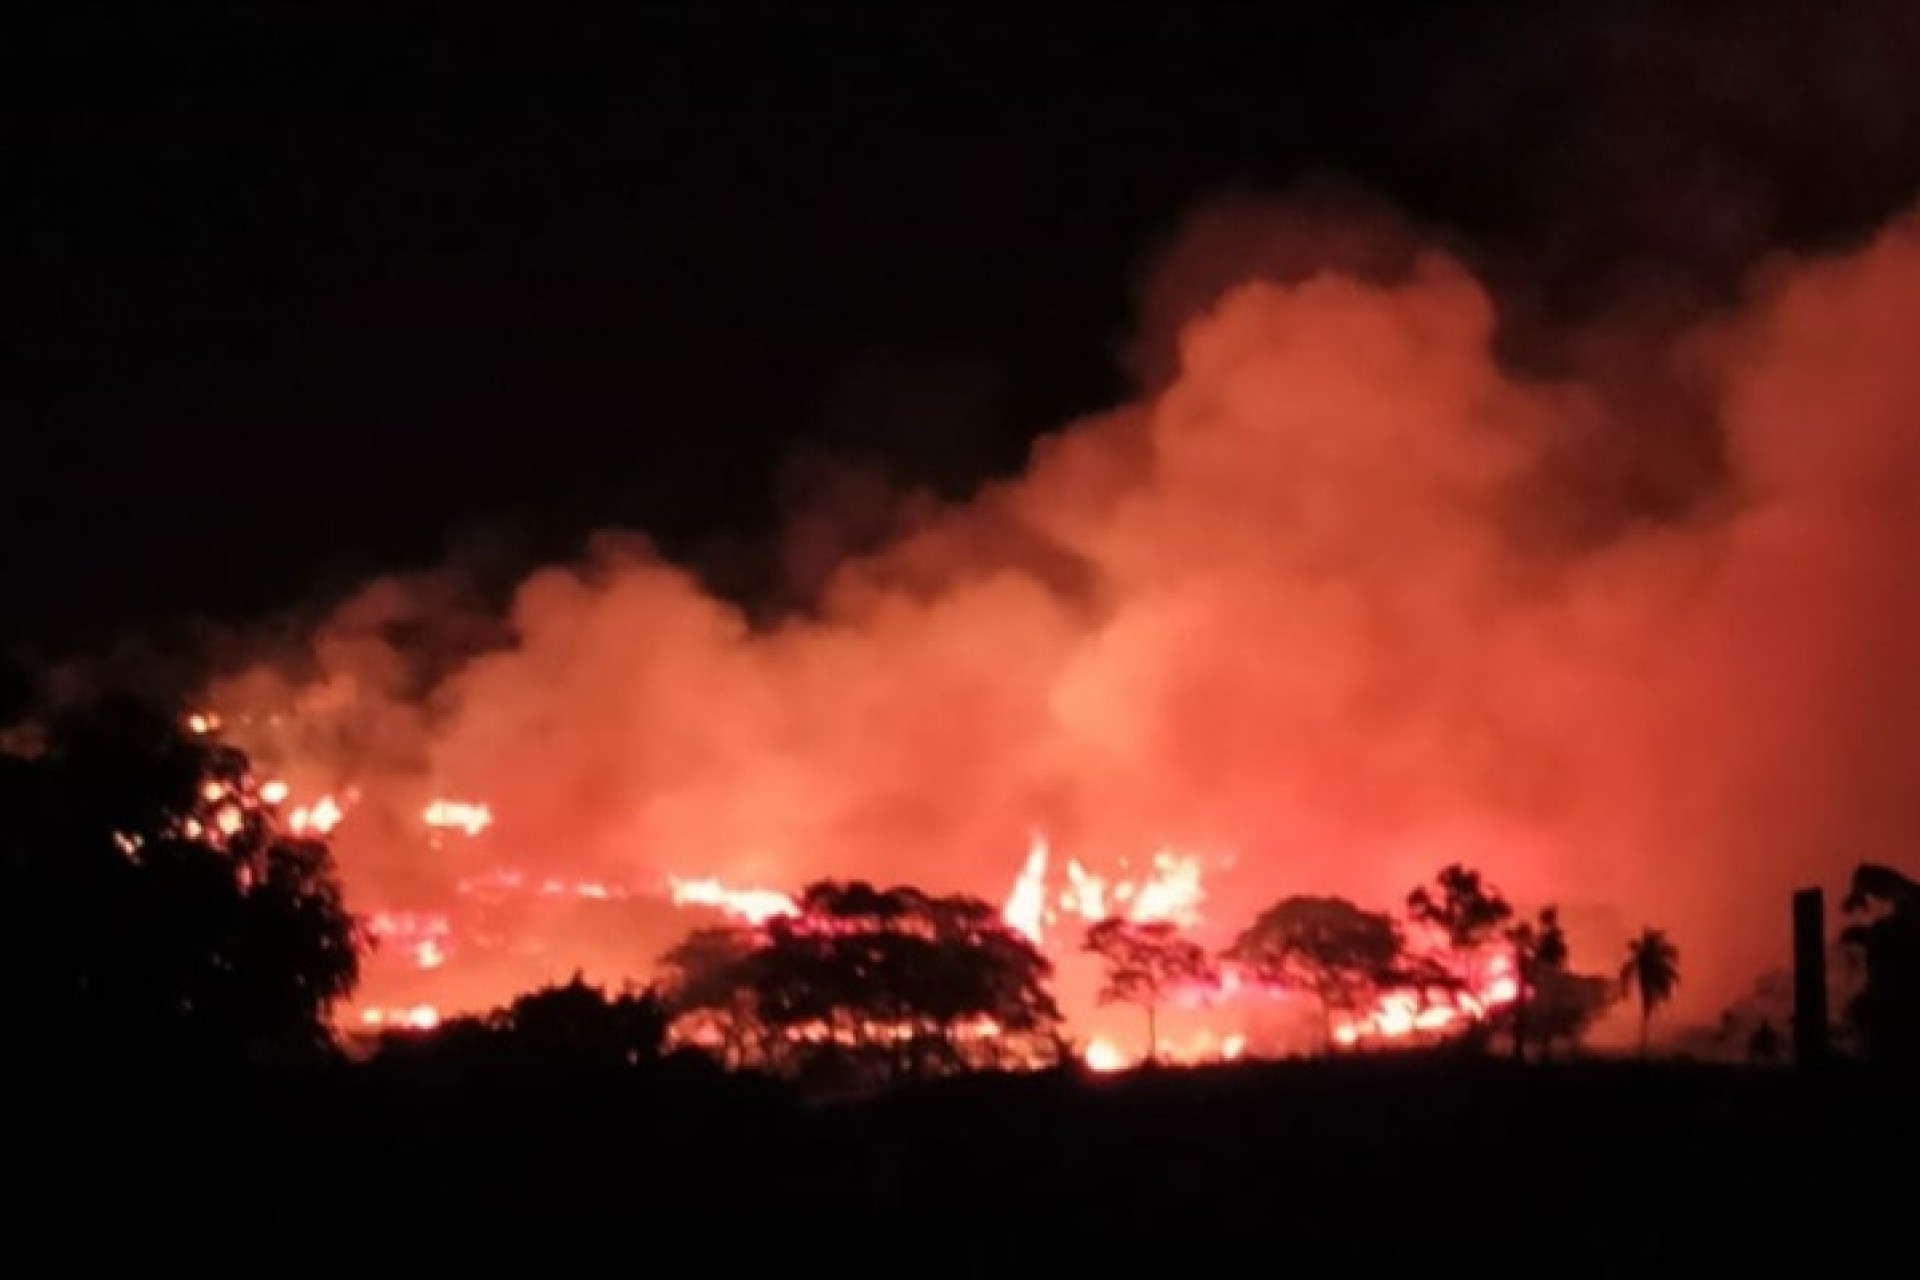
1342, 593
1048, 914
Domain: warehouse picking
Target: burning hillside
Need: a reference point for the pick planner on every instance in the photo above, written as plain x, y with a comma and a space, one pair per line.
1346, 599
506, 929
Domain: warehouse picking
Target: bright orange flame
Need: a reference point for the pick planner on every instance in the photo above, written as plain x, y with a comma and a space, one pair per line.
1402, 1015
274, 791
1172, 892
756, 906
419, 1017
1026, 907
459, 815
319, 818
1102, 1056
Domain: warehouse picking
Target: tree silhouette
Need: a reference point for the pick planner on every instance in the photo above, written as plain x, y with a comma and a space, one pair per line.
1885, 937
577, 1023
1341, 954
706, 984
1145, 963
151, 902
889, 983
1539, 956
571, 1028
1652, 972
1563, 1006
1461, 905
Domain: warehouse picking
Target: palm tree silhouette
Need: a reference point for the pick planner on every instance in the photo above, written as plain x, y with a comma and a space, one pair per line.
1652, 971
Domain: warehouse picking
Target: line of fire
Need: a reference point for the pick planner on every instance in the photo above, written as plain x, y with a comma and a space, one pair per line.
1142, 966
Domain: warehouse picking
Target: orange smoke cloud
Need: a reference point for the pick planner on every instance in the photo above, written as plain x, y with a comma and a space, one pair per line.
1294, 606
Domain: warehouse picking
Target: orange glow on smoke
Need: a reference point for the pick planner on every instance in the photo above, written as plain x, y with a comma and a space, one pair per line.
1340, 593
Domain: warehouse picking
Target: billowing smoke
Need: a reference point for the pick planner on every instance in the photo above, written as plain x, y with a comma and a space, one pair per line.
1326, 602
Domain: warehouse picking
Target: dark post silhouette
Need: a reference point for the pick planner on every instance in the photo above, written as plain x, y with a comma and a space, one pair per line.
1809, 979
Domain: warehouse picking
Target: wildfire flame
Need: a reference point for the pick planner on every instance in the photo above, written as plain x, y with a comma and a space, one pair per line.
458, 815
1046, 895
419, 1017
319, 818
1104, 1055
1172, 891
755, 906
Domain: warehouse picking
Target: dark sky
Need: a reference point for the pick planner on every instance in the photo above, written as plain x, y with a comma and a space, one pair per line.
296, 293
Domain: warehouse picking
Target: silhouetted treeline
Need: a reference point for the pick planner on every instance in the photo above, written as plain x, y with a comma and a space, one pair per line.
1886, 940
151, 909
155, 917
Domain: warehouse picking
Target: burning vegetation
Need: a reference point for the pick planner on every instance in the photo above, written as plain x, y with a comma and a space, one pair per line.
887, 984
1343, 597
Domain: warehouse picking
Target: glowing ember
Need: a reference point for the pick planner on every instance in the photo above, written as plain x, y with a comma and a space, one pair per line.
274, 792
554, 886
1103, 1055
459, 815
755, 906
319, 818
419, 1017
500, 881
421, 936
201, 723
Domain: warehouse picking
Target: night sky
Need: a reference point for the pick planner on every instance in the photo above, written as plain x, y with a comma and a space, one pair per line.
292, 297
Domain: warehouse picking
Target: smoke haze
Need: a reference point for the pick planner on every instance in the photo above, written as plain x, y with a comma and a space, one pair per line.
1340, 598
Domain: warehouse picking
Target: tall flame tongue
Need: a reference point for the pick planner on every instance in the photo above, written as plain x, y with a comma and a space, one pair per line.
1172, 890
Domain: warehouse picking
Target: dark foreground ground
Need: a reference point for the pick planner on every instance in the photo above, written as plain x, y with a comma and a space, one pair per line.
1320, 1167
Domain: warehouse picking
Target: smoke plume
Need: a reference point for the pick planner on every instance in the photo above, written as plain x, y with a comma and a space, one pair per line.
1313, 604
